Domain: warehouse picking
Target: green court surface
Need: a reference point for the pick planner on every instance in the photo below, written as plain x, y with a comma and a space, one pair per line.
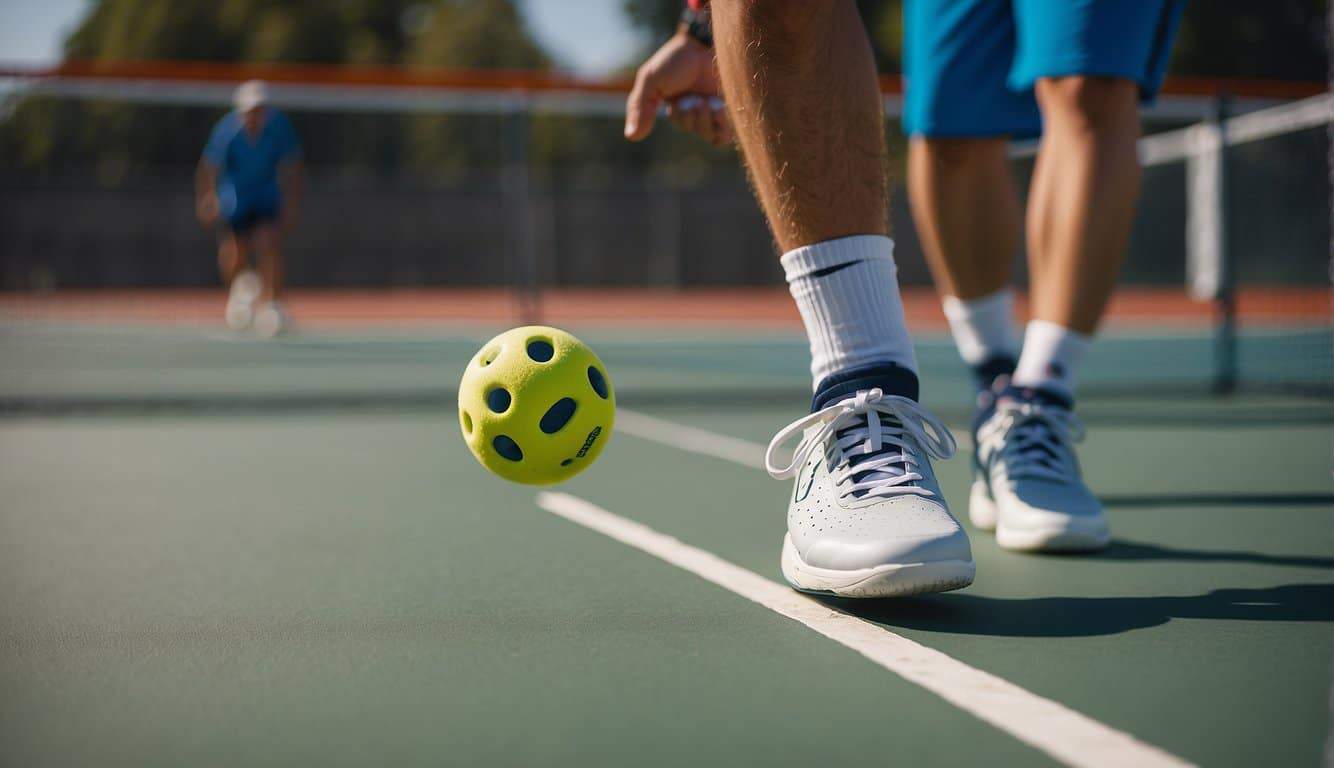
217, 551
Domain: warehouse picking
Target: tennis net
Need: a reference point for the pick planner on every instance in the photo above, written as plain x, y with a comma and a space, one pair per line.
441, 208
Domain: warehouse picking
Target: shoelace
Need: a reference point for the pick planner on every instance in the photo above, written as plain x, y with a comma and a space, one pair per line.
868, 424
1034, 439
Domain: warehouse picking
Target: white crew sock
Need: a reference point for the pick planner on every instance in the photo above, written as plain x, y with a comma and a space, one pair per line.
848, 295
1051, 354
983, 328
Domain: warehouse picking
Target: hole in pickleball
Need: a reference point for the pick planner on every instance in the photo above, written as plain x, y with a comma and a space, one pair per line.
598, 381
467, 421
557, 416
488, 356
506, 447
541, 350
498, 400
567, 462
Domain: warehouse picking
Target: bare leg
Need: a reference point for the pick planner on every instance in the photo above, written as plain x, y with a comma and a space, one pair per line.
234, 262
800, 81
966, 208
1082, 203
270, 262
1080, 212
232, 256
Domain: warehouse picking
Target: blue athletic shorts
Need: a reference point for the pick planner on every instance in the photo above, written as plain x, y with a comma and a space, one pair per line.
970, 65
245, 218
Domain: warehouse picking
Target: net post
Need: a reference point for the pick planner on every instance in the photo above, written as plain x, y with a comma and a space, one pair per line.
1225, 300
519, 193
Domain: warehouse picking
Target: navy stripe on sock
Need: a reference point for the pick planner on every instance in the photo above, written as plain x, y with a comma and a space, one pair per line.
890, 378
986, 372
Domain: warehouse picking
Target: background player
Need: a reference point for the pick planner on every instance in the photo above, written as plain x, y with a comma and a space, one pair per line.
251, 180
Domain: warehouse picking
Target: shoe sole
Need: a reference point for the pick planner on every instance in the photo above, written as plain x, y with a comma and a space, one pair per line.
1051, 539
983, 514
238, 316
890, 580
270, 331
269, 326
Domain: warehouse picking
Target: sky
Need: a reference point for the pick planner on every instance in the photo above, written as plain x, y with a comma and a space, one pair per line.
589, 37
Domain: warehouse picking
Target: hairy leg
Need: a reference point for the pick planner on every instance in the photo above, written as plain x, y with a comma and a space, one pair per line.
1082, 202
799, 79
966, 208
800, 83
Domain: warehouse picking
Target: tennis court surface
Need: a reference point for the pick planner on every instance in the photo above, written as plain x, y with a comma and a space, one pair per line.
221, 550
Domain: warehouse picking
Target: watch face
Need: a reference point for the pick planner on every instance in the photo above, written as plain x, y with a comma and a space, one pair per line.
698, 24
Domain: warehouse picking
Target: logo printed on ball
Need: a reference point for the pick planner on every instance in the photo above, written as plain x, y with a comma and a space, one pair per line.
588, 442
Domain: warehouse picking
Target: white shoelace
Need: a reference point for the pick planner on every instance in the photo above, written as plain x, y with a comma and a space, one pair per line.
869, 423
1034, 440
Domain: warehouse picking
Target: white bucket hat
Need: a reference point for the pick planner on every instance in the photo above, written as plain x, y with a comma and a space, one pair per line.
250, 94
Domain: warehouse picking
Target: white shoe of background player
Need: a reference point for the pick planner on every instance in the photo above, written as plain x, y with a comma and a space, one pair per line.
245, 290
272, 319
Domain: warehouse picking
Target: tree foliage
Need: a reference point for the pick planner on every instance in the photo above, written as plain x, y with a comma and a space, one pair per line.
1238, 38
117, 139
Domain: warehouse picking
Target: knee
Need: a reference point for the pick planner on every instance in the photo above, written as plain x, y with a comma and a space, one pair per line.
955, 155
1094, 103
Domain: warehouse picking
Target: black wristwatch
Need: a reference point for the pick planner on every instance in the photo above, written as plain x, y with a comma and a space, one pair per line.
698, 25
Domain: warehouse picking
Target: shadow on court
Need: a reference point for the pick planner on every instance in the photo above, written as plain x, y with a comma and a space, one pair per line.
1219, 500
1123, 549
967, 614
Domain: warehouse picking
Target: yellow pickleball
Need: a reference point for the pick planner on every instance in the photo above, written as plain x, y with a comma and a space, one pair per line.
536, 405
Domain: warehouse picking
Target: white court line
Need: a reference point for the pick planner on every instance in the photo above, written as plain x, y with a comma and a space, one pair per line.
704, 442
1062, 733
690, 439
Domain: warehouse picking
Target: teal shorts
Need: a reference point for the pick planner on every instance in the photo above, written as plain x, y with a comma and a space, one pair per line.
970, 65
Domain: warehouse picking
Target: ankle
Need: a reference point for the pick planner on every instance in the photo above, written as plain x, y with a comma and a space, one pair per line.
890, 378
1050, 358
983, 328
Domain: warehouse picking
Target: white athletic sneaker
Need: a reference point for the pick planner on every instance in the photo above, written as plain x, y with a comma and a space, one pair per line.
867, 518
241, 298
272, 320
246, 287
239, 315
1027, 485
